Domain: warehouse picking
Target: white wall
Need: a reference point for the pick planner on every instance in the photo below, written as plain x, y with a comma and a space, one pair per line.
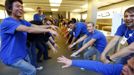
84, 16
3, 14
29, 16
75, 15
110, 10
122, 4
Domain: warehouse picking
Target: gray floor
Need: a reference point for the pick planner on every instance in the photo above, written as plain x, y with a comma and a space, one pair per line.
51, 67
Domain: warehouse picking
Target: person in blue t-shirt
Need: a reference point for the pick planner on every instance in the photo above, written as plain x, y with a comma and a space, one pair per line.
14, 31
39, 17
125, 32
99, 67
79, 29
94, 44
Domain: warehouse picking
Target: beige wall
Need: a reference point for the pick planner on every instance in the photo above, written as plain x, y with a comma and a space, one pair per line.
114, 8
29, 16
3, 13
75, 15
118, 5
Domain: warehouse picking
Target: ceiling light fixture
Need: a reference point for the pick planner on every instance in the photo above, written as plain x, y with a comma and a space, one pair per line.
54, 9
55, 2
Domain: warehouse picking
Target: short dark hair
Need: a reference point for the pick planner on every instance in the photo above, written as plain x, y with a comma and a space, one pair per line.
9, 5
71, 22
74, 20
38, 7
91, 23
129, 10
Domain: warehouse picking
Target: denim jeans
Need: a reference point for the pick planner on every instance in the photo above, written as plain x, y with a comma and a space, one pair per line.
32, 53
43, 50
123, 60
80, 44
25, 67
90, 51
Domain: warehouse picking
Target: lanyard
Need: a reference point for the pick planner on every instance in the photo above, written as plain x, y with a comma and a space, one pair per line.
130, 35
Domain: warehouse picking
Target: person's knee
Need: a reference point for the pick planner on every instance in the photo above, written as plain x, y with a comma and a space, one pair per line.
86, 55
32, 71
131, 47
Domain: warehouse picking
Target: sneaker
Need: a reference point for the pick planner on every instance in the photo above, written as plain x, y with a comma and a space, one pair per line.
47, 58
39, 68
39, 61
83, 69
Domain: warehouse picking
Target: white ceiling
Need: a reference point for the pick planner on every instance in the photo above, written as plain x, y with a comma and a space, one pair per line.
66, 5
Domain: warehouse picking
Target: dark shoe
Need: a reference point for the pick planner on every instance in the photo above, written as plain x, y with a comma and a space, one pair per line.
39, 61
47, 58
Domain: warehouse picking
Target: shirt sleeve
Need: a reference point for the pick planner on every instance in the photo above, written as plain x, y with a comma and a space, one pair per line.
105, 69
85, 30
97, 35
121, 30
34, 17
27, 23
77, 31
9, 26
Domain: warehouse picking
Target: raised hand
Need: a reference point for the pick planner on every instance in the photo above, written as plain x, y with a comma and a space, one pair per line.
67, 62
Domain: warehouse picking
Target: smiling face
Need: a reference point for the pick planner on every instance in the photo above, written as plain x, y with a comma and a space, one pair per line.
17, 10
71, 25
129, 19
90, 27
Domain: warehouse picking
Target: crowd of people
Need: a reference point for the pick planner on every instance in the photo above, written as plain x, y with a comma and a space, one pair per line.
24, 43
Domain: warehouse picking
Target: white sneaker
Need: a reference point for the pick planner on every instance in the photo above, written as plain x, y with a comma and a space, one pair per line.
83, 69
39, 68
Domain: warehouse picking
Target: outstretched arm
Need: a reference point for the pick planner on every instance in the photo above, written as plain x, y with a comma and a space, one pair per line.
35, 30
67, 62
123, 52
105, 69
88, 44
45, 26
78, 41
112, 43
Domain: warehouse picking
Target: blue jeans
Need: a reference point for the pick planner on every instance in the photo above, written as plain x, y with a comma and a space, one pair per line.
123, 60
42, 47
80, 44
25, 67
90, 51
32, 53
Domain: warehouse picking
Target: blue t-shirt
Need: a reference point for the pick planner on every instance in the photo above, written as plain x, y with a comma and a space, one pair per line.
99, 67
13, 43
100, 42
80, 29
38, 17
124, 31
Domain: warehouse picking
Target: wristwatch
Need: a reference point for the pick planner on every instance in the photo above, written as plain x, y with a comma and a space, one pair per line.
108, 57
